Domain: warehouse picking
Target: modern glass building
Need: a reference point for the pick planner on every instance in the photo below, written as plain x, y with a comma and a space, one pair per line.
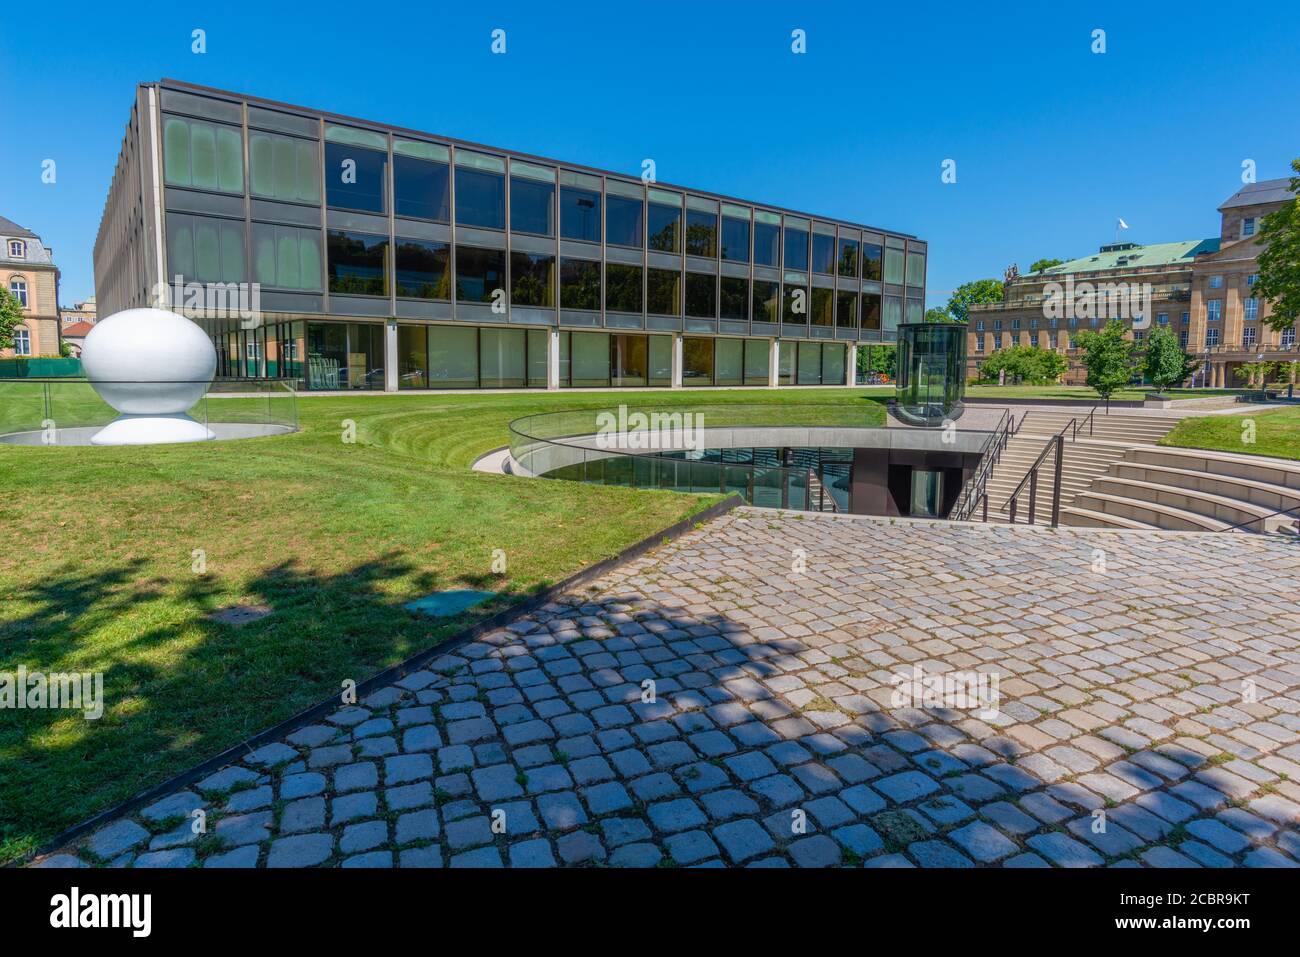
386, 258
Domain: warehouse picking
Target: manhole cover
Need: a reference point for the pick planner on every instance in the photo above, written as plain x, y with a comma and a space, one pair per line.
444, 604
240, 614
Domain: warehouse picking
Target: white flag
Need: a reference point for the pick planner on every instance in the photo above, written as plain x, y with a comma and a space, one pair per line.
1121, 224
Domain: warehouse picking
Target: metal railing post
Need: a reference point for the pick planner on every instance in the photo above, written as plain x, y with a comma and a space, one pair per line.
1056, 482
1033, 494
986, 507
1013, 511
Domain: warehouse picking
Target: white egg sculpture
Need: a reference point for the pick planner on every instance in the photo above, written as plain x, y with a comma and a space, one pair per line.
152, 366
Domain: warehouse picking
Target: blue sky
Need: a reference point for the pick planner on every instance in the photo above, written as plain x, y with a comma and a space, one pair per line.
1052, 142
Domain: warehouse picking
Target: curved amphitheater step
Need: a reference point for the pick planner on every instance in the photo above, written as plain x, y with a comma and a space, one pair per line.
1128, 428
1189, 489
1083, 463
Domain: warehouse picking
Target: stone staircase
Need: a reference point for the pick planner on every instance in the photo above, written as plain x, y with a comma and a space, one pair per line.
1189, 490
1087, 457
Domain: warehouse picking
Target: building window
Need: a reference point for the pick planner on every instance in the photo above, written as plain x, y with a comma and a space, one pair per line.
1248, 337
796, 245
697, 361
22, 341
623, 288
1033, 325
823, 307
1251, 279
1139, 335
735, 239
1250, 309
665, 226
997, 325
794, 309
701, 296
532, 199
205, 250
915, 269
422, 269
283, 168
870, 311
663, 292
847, 260
1248, 227
979, 343
766, 297
480, 191
421, 181
358, 263
871, 258
202, 155
1211, 337
1185, 318
580, 284
997, 340
1216, 282
285, 257
767, 239
846, 310
1015, 325
701, 233
17, 249
580, 213
354, 177
893, 265
1162, 318
979, 325
532, 280
623, 221
823, 254
735, 299
479, 273
1182, 339
18, 287
1288, 337
1213, 310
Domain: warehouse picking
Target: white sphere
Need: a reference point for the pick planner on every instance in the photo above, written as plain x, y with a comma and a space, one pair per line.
148, 361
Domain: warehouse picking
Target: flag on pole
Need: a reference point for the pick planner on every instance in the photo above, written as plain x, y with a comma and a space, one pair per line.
1121, 224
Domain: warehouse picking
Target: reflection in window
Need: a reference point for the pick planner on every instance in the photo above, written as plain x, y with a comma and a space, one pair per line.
785, 363
453, 358
623, 221
735, 239
421, 189
758, 358
580, 284
823, 306
202, 155
795, 307
283, 168
915, 269
663, 292
701, 296
701, 233
767, 240
728, 361
589, 359
697, 361
354, 177
412, 357
796, 248
532, 279
846, 310
848, 257
532, 206
285, 257
665, 223
422, 269
893, 265
766, 298
870, 310
871, 261
502, 359
629, 360
205, 250
580, 214
823, 254
358, 263
622, 288
479, 272
893, 313
480, 198
735, 298
810, 363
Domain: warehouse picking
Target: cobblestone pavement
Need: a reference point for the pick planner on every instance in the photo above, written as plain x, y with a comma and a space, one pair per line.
1148, 714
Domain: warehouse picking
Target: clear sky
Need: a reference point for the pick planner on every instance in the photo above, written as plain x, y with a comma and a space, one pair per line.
1052, 142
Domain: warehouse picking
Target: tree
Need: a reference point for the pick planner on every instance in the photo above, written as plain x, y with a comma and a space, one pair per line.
969, 293
1279, 260
1166, 364
938, 315
1024, 364
1045, 264
1108, 357
877, 359
11, 313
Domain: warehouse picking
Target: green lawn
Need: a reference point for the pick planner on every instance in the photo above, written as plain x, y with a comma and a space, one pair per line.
96, 573
1276, 433
1082, 392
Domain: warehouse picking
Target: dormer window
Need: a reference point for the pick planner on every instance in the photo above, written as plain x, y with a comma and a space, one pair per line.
17, 249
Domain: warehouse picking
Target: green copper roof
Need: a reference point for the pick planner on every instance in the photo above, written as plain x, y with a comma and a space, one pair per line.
1157, 254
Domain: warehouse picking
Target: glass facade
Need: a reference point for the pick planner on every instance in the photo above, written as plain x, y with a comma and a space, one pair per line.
349, 226
931, 372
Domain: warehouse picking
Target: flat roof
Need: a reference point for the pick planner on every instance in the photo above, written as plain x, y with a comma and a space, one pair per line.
183, 86
1155, 254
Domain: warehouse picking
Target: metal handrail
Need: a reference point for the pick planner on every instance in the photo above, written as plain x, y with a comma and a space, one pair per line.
974, 492
1056, 442
1280, 511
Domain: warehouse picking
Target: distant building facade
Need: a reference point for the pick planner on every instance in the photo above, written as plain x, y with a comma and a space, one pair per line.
1199, 289
28, 272
76, 324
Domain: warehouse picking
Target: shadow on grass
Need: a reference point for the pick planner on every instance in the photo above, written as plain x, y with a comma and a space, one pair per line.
180, 688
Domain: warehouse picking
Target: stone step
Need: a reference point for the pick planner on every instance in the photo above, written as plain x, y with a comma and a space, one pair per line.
1077, 517
1152, 513
1231, 511
1265, 494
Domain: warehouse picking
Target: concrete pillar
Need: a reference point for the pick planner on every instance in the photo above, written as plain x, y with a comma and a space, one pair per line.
851, 364
553, 360
677, 360
390, 356
773, 363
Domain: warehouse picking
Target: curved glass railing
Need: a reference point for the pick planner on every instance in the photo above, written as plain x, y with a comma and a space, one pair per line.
66, 411
780, 455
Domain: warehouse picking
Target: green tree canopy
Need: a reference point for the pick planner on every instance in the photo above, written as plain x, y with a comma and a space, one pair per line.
938, 315
1045, 264
1165, 363
1028, 364
1108, 357
1279, 261
981, 290
11, 313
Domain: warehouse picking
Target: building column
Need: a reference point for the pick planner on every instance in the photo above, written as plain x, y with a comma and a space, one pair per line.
677, 360
390, 355
773, 363
553, 360
851, 364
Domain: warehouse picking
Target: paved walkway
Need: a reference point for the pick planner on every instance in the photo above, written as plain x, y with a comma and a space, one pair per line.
1147, 713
